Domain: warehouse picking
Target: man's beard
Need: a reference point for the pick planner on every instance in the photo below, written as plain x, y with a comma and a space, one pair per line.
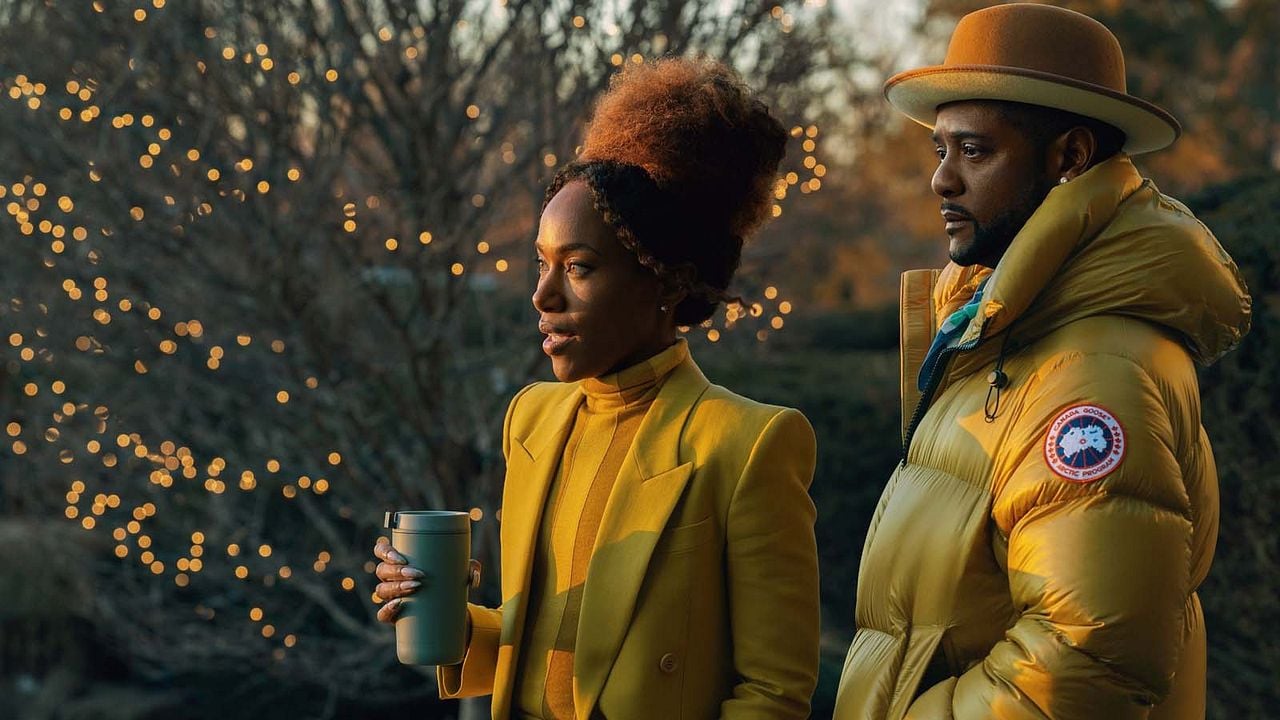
992, 239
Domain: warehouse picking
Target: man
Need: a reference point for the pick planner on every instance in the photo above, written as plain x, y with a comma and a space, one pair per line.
1037, 552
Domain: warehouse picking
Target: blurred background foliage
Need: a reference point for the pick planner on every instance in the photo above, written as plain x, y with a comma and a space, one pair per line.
266, 275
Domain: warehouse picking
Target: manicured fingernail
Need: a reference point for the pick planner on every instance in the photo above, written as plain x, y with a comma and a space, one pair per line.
411, 572
410, 585
396, 557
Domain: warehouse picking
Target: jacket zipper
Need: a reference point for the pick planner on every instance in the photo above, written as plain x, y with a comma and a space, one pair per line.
935, 378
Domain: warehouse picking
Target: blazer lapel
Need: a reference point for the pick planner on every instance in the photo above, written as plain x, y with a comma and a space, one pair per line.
531, 468
651, 481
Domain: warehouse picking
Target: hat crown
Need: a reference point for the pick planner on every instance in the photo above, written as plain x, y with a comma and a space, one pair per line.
1040, 38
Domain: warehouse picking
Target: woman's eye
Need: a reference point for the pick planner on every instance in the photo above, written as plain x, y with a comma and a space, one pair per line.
579, 269
542, 264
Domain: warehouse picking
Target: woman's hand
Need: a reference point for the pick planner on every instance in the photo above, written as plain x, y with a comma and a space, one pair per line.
396, 580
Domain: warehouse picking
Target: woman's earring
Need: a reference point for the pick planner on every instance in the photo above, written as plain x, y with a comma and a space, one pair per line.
1062, 180
663, 309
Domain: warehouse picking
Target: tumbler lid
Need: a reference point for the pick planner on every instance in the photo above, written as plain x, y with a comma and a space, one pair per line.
428, 521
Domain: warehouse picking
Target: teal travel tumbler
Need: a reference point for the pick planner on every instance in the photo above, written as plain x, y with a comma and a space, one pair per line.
431, 626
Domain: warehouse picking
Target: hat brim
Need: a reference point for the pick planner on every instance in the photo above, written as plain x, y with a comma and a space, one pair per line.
919, 93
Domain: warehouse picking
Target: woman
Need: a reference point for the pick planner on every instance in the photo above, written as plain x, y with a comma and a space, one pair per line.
658, 556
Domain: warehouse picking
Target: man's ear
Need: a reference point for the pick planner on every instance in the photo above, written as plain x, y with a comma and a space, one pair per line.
1072, 153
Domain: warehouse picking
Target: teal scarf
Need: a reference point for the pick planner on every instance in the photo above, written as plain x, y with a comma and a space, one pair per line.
948, 335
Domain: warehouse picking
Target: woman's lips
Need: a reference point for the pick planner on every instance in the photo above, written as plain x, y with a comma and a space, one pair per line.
556, 343
558, 338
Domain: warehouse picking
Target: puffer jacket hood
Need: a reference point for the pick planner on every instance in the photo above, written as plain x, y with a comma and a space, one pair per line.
1109, 243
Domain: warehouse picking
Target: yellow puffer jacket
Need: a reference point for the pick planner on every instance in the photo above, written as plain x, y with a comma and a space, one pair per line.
1037, 552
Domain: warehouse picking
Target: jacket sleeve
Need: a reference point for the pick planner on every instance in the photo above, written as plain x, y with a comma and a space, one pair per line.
474, 675
772, 574
1099, 569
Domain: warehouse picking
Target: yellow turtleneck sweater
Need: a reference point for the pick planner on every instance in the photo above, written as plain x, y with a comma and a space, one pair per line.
603, 429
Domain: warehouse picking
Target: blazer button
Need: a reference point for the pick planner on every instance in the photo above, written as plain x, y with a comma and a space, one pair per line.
668, 663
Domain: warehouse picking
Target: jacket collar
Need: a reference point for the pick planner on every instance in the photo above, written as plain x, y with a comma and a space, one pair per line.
1108, 242
1071, 213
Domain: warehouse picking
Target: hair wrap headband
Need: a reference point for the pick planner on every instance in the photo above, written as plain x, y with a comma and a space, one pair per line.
667, 233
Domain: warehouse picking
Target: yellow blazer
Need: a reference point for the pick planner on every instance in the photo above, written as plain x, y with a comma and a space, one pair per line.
701, 599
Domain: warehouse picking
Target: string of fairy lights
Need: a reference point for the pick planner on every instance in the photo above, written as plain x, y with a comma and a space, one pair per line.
49, 214
166, 458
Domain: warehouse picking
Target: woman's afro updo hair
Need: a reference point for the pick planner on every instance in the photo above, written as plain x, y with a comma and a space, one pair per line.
698, 131
712, 149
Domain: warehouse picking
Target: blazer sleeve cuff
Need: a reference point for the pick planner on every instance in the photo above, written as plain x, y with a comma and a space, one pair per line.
474, 675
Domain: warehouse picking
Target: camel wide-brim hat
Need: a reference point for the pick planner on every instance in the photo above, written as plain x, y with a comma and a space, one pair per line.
1038, 55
